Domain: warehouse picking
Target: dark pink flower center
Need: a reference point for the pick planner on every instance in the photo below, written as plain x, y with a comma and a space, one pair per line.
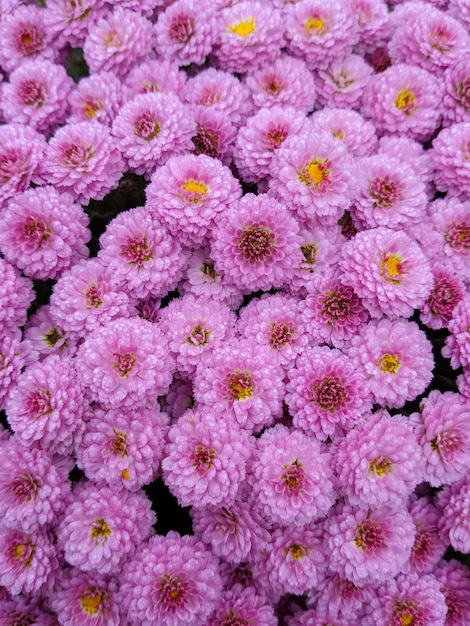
75, 155
205, 142
274, 138
21, 619
136, 250
280, 335
209, 96
93, 295
32, 93
447, 443
181, 29
203, 458
293, 478
231, 618
29, 40
423, 545
12, 160
369, 536
147, 310
329, 393
242, 575
458, 236
273, 85
36, 231
457, 607
462, 93
124, 363
407, 613
444, 298
38, 403
239, 385
441, 38
118, 445
172, 592
337, 305
146, 126
256, 244
25, 487
384, 192
198, 336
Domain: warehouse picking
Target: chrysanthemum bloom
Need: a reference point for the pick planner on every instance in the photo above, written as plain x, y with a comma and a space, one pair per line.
388, 194
313, 174
294, 560
28, 561
429, 547
457, 344
69, 20
205, 459
16, 294
332, 313
256, 243
463, 382
313, 617
342, 83
47, 405
456, 101
235, 533
125, 363
82, 599
455, 585
123, 448
97, 97
239, 380
444, 435
83, 158
189, 193
25, 36
186, 31
388, 271
102, 529
326, 394
144, 7
193, 326
338, 597
262, 135
33, 490
357, 134
160, 75
286, 82
140, 256
275, 321
21, 155
151, 128
449, 157
118, 41
242, 606
241, 576
454, 504
378, 463
373, 22
84, 299
172, 580
12, 361
19, 610
251, 36
45, 338
214, 134
43, 232
290, 480
447, 292
426, 37
404, 99
220, 91
459, 10
366, 545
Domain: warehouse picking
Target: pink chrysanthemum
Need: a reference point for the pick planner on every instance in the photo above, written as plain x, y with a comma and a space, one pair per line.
275, 321
205, 459
388, 194
342, 83
313, 174
251, 36
172, 580
16, 294
28, 561
25, 36
45, 337
378, 463
179, 397
69, 21
428, 548
151, 128
140, 256
262, 135
396, 359
404, 99
444, 435
97, 97
33, 490
186, 31
291, 481
189, 193
148, 308
320, 32
463, 382
125, 363
193, 326
83, 158
240, 380
123, 448
101, 529
457, 344
19, 610
368, 546
454, 504
339, 598
313, 617
118, 41
242, 606
35, 95
235, 533
449, 156
21, 155
357, 134
13, 354
373, 22
256, 243
214, 134
241, 576
456, 101
43, 232
81, 599
47, 406
448, 290
388, 271
286, 82
159, 75
455, 585
326, 394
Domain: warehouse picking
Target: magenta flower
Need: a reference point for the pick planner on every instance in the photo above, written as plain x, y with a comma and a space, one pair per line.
19, 609
214, 134
97, 97
45, 337
16, 294
159, 75
125, 363
463, 382
326, 394
357, 134
456, 101
43, 232
172, 580
13, 356
242, 606
69, 21
205, 459
449, 157
179, 398
429, 547
313, 617
453, 502
343, 82
101, 530
339, 598
457, 347
373, 21
118, 41
291, 481
448, 290
455, 585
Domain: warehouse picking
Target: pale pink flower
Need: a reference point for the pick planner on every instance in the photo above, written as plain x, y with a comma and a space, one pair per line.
97, 97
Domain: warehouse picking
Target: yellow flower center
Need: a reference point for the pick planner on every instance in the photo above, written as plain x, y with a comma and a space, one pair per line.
18, 551
316, 172
125, 474
240, 385
406, 620
92, 601
388, 363
243, 28
338, 133
195, 189
405, 100
381, 466
314, 23
298, 552
100, 529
